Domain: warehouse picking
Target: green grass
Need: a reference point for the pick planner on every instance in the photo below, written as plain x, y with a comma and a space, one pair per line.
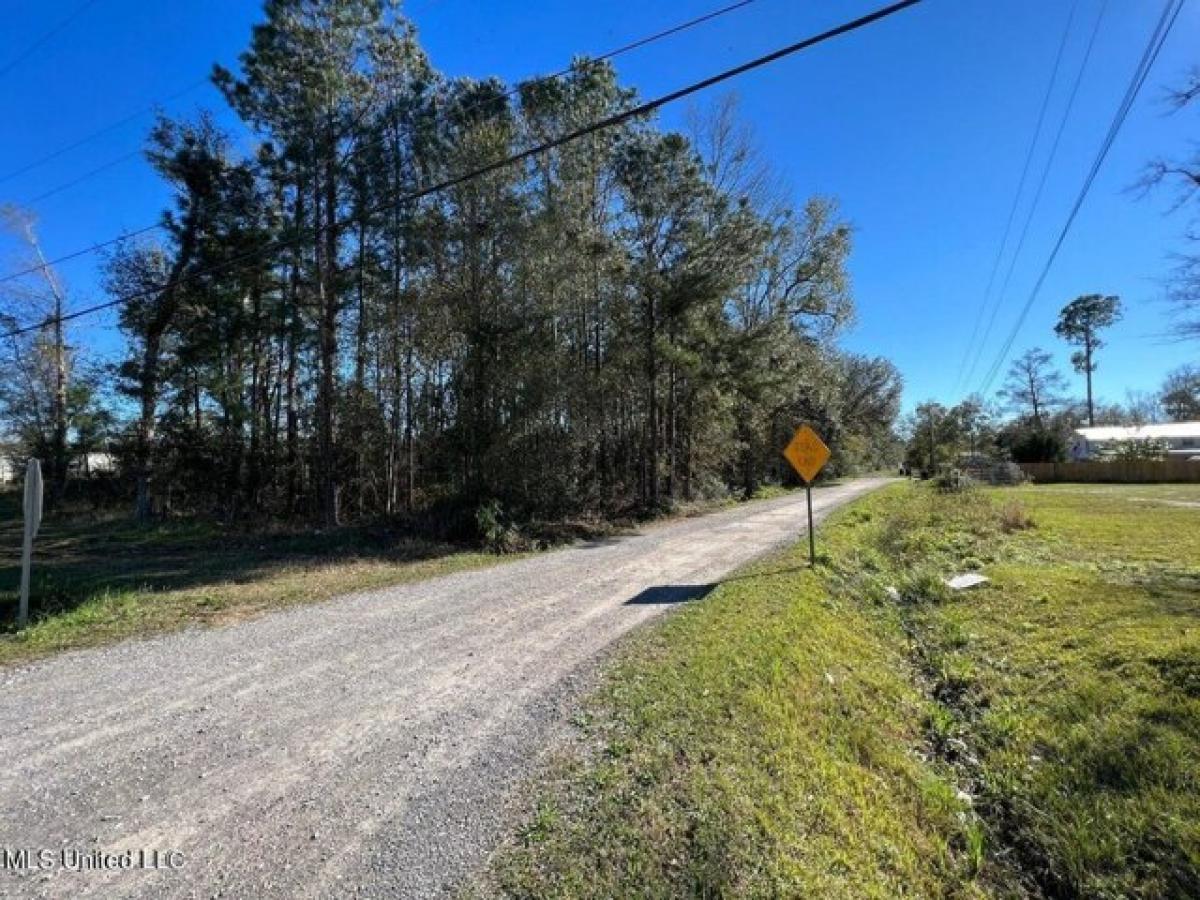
102, 579
1084, 703
811, 734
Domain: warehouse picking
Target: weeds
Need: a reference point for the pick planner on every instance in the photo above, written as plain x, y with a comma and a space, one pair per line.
1067, 688
815, 734
1014, 517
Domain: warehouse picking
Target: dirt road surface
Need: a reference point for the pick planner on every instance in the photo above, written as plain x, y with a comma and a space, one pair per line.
364, 747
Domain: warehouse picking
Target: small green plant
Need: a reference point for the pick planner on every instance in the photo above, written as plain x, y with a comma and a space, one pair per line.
976, 844
539, 827
941, 725
956, 676
923, 586
495, 533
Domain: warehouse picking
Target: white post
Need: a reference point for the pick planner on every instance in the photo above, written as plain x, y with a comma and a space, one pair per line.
33, 518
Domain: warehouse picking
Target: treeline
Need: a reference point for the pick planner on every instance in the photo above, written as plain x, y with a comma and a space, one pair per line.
1033, 417
629, 319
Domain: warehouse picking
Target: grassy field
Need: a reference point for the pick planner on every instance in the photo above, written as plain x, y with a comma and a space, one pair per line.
861, 731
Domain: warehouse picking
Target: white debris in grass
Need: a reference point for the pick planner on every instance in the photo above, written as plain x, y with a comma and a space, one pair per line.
969, 580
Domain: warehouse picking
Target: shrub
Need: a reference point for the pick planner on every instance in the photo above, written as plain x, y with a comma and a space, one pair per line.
496, 534
1139, 450
1013, 517
952, 482
1039, 446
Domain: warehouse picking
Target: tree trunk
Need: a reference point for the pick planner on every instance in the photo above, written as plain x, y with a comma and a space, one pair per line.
1033, 397
672, 456
410, 459
1087, 361
327, 483
292, 417
58, 439
59, 449
291, 377
148, 387
143, 457
651, 464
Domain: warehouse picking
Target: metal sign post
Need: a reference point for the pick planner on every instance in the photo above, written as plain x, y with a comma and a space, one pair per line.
808, 454
812, 538
33, 519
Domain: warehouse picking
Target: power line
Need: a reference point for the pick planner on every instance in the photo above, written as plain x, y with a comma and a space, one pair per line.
634, 45
612, 121
361, 148
91, 173
1041, 187
100, 132
45, 38
1012, 212
1158, 38
642, 42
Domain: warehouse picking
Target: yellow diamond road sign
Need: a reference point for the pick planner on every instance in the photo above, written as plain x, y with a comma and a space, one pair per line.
807, 453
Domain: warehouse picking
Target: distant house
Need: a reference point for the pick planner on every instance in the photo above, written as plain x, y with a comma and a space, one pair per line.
1181, 439
94, 463
12, 465
9, 456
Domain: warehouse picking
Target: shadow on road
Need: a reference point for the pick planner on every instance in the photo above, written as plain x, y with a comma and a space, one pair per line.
666, 594
670, 593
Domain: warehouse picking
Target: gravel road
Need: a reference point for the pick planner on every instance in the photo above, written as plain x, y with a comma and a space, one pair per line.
362, 747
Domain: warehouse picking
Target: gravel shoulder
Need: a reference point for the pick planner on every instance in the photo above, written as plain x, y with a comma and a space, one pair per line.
362, 747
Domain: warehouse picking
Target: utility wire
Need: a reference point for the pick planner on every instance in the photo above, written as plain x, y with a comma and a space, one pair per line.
1041, 187
612, 121
1154, 46
1149, 56
44, 39
361, 148
100, 132
634, 45
91, 173
642, 42
1012, 212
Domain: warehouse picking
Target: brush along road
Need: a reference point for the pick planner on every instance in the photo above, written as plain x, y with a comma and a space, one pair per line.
368, 746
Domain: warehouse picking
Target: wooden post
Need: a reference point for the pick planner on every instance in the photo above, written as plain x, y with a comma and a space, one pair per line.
26, 562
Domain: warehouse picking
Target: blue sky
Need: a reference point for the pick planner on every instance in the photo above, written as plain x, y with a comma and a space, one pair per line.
918, 126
